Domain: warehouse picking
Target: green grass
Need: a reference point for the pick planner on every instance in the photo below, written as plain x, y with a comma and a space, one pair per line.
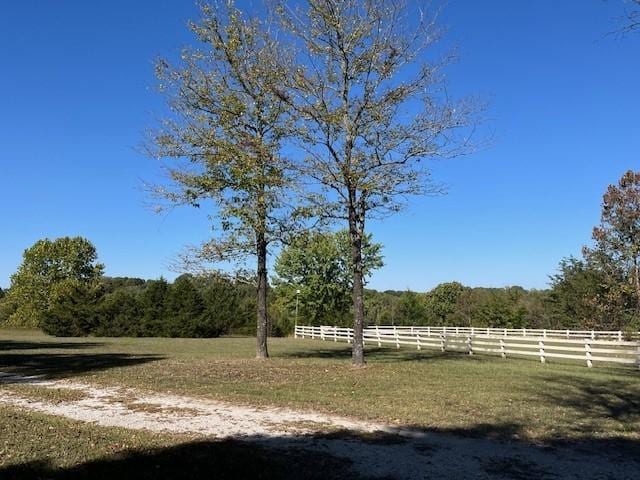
27, 437
476, 395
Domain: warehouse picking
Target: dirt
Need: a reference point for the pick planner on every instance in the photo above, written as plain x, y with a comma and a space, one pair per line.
373, 450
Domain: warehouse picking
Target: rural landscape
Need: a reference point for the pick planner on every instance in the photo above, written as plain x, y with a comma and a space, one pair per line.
320, 239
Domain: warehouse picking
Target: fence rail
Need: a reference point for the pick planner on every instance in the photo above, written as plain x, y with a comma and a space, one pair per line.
585, 346
521, 332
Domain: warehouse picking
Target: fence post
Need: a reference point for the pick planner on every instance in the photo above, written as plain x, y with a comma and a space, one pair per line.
503, 354
587, 347
567, 333
443, 342
428, 331
544, 333
418, 340
593, 335
469, 345
395, 331
541, 345
335, 333
378, 335
504, 332
471, 330
524, 332
313, 333
321, 333
457, 330
619, 335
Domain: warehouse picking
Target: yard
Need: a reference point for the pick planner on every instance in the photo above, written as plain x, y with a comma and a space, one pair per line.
515, 404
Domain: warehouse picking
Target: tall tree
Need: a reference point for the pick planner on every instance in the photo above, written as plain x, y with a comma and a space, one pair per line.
372, 109
45, 265
617, 238
225, 139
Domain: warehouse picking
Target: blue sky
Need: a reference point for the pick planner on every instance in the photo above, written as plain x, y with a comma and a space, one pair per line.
77, 93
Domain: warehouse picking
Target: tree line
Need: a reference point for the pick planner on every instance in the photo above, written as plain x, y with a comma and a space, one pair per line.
600, 289
60, 287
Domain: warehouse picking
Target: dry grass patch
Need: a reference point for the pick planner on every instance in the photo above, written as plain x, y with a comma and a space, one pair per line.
49, 394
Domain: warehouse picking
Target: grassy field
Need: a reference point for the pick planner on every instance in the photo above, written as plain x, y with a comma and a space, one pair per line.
510, 404
477, 395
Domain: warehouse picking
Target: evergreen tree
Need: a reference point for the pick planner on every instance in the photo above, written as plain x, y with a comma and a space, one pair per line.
184, 308
72, 309
221, 308
153, 303
121, 315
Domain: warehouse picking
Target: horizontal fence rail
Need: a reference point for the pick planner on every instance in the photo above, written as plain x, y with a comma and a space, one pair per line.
588, 347
521, 332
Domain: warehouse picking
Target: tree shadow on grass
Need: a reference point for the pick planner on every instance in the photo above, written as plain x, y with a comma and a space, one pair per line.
384, 354
21, 345
27, 359
598, 404
52, 366
223, 459
483, 451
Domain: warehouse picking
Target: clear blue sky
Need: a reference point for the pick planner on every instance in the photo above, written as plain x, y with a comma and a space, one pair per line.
77, 92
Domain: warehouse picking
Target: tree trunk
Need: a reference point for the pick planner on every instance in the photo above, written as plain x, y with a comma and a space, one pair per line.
357, 356
636, 281
262, 320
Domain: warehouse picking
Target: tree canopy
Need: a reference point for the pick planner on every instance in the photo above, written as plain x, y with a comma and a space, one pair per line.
603, 288
371, 110
224, 140
45, 267
319, 265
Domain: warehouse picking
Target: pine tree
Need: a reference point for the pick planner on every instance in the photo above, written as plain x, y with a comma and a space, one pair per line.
153, 302
184, 308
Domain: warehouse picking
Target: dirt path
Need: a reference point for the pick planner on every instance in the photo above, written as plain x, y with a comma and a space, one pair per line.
393, 453
128, 408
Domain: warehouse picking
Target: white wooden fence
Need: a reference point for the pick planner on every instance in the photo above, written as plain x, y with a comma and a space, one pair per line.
520, 332
589, 347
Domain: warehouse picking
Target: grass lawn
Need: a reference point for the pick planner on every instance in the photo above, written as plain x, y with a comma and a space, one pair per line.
475, 396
